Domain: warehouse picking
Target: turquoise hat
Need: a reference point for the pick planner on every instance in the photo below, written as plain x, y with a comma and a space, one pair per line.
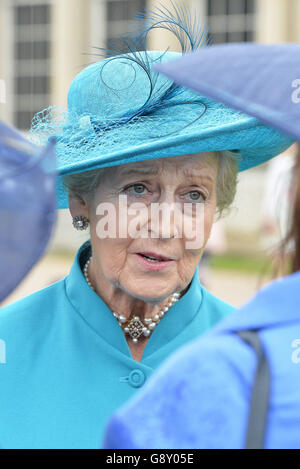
120, 111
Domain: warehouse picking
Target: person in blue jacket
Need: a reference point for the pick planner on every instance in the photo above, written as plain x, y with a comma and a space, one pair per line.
130, 142
238, 385
27, 198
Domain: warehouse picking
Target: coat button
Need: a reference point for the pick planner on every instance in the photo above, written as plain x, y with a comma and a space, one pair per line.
136, 378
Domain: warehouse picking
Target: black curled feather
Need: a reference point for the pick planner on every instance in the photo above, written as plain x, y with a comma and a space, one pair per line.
181, 22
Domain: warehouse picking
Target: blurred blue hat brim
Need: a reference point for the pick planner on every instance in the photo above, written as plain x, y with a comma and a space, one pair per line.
260, 80
27, 205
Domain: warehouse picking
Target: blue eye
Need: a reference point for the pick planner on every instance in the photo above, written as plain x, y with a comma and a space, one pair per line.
136, 189
196, 196
139, 188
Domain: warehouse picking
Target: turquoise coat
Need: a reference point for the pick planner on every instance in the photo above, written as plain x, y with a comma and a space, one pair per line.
67, 366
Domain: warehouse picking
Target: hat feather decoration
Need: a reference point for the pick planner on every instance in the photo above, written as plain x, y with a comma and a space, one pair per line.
191, 36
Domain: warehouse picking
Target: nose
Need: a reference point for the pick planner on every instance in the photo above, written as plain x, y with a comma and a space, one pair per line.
165, 218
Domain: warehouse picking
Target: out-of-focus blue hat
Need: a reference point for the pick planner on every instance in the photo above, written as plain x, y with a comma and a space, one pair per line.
27, 205
261, 80
122, 111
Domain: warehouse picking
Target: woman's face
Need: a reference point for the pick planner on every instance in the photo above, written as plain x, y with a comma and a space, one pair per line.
186, 186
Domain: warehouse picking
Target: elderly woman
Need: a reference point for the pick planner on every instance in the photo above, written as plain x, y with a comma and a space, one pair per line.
131, 142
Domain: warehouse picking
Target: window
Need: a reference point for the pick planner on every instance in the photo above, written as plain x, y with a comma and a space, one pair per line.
231, 20
32, 50
120, 10
32, 14
31, 59
29, 85
120, 16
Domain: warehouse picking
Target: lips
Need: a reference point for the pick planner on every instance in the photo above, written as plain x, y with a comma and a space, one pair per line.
154, 256
152, 261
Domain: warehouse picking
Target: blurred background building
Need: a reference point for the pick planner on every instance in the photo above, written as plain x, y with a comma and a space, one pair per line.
45, 43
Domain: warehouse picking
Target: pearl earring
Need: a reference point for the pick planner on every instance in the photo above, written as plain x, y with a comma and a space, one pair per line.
80, 222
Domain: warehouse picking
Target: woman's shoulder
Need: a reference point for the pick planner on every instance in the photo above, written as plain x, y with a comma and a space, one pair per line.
35, 305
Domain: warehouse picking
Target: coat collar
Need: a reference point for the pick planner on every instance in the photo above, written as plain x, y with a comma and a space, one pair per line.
100, 318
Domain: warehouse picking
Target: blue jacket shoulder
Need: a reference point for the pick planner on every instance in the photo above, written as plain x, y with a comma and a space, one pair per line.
33, 307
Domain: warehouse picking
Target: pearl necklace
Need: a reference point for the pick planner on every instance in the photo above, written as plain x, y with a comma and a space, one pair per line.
134, 327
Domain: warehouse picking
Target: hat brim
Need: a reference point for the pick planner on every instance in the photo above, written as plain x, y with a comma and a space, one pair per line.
254, 142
